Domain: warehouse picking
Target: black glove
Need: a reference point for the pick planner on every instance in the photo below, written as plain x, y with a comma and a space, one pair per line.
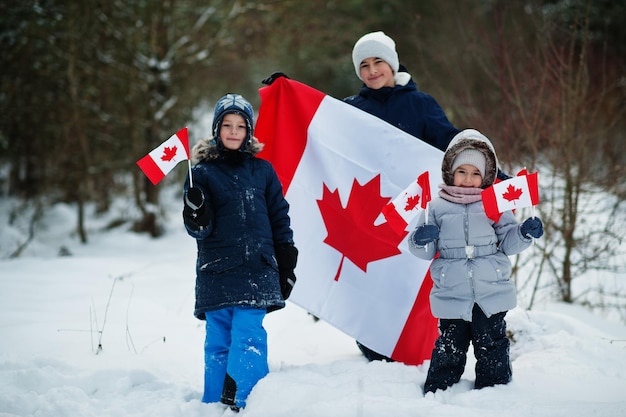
287, 258
532, 227
194, 198
195, 213
269, 80
425, 234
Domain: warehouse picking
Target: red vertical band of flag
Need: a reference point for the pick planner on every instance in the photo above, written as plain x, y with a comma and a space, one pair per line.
414, 347
151, 169
533, 187
279, 127
424, 182
490, 204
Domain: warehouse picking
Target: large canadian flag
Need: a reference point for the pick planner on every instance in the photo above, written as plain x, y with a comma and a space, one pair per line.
166, 156
339, 167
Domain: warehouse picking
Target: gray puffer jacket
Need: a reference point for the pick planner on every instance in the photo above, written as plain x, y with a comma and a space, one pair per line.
473, 264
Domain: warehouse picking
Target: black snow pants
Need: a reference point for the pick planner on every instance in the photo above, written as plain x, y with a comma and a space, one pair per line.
491, 349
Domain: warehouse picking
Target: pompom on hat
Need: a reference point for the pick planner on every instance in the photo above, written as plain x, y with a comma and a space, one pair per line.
375, 45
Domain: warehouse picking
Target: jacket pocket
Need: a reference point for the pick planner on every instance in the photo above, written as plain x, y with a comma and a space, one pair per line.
222, 263
270, 260
500, 268
438, 269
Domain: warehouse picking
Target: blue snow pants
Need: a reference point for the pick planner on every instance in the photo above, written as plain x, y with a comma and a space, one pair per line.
491, 349
235, 354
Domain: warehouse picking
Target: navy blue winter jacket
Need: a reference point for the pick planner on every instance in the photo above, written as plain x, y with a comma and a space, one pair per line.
236, 264
407, 108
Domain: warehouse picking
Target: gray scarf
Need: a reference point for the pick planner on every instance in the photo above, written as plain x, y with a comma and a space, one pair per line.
461, 195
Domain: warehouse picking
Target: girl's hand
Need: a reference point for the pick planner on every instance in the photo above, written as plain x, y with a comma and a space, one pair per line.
532, 228
425, 234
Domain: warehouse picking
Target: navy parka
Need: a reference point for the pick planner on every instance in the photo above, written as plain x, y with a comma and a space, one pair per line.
410, 110
236, 264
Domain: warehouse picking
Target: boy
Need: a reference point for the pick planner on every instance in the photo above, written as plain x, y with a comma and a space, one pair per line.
246, 258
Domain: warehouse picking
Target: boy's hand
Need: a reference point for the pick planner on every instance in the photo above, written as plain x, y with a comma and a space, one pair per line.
269, 80
195, 213
425, 234
194, 198
287, 281
532, 227
286, 258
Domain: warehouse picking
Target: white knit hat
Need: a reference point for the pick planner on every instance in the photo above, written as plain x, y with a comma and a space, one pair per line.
470, 157
375, 45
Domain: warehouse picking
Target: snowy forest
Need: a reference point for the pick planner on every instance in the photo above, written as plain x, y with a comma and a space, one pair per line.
90, 87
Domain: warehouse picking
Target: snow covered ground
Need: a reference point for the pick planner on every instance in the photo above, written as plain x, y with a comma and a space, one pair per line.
109, 331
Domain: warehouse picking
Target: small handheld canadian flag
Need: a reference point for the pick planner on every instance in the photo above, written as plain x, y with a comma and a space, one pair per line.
405, 206
160, 161
515, 193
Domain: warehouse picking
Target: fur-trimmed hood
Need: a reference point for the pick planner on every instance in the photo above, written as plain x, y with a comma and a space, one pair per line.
470, 139
208, 149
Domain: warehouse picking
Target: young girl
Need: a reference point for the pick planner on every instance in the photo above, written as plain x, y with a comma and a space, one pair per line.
237, 213
472, 290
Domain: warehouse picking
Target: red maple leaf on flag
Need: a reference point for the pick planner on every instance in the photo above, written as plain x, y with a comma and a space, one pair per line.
169, 153
512, 193
351, 230
412, 202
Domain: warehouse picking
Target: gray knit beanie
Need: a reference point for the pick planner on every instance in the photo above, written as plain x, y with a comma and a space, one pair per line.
471, 157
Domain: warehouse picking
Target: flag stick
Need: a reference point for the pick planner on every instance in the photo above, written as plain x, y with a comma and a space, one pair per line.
190, 178
426, 221
532, 213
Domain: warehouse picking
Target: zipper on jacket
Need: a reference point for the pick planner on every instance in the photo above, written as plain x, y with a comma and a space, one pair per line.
468, 262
